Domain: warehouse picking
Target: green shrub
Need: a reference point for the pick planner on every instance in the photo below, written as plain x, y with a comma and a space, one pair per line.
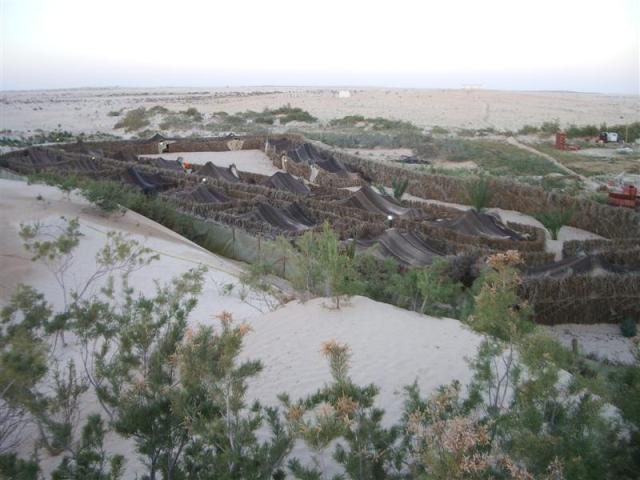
528, 130
585, 131
479, 193
550, 128
349, 121
193, 113
399, 187
106, 195
440, 294
554, 220
629, 328
436, 130
135, 119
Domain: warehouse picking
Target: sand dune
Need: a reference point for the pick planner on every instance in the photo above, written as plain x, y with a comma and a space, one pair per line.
391, 347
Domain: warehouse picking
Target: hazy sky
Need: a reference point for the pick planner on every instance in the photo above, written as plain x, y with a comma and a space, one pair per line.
529, 44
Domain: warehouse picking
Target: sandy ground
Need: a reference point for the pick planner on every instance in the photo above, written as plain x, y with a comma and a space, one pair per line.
86, 109
253, 161
602, 340
391, 156
391, 347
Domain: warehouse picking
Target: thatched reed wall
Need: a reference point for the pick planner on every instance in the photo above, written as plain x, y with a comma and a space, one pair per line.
604, 220
576, 247
436, 232
584, 299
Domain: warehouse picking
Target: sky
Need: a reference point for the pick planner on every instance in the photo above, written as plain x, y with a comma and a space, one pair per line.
576, 45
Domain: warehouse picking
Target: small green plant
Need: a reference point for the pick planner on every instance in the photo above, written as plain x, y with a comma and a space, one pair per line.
550, 128
439, 130
479, 193
528, 130
193, 113
135, 119
399, 187
554, 220
439, 292
89, 459
629, 328
106, 195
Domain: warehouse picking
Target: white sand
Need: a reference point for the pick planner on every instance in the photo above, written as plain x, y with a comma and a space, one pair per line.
86, 109
602, 340
252, 161
391, 347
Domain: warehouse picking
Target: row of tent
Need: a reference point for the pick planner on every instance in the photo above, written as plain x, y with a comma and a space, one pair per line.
405, 247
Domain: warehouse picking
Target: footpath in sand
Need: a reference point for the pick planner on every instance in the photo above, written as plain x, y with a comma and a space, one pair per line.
391, 347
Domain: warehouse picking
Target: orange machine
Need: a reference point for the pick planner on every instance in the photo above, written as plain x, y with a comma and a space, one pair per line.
561, 142
628, 197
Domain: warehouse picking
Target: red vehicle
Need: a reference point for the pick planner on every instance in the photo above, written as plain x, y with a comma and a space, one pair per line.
628, 197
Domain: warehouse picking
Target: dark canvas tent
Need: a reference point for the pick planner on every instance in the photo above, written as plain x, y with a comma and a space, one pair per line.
166, 164
41, 157
405, 247
592, 265
125, 156
203, 194
475, 223
307, 153
148, 182
366, 198
156, 138
292, 218
221, 173
287, 182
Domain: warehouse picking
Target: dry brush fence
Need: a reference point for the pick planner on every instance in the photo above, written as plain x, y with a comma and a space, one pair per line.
584, 299
604, 220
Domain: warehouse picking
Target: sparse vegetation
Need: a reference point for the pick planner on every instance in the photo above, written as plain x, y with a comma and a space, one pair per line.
135, 119
554, 220
496, 158
479, 193
189, 415
399, 187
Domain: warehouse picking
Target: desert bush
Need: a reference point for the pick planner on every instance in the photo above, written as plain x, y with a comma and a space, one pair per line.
288, 114
436, 130
497, 309
14, 468
479, 193
193, 113
629, 328
440, 294
574, 131
550, 127
528, 130
157, 382
399, 187
554, 220
343, 413
89, 459
348, 121
135, 119
376, 277
323, 267
105, 195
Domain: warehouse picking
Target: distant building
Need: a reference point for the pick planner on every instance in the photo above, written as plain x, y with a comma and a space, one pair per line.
344, 94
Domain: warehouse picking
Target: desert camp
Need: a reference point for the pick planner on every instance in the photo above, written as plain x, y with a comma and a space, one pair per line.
320, 241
